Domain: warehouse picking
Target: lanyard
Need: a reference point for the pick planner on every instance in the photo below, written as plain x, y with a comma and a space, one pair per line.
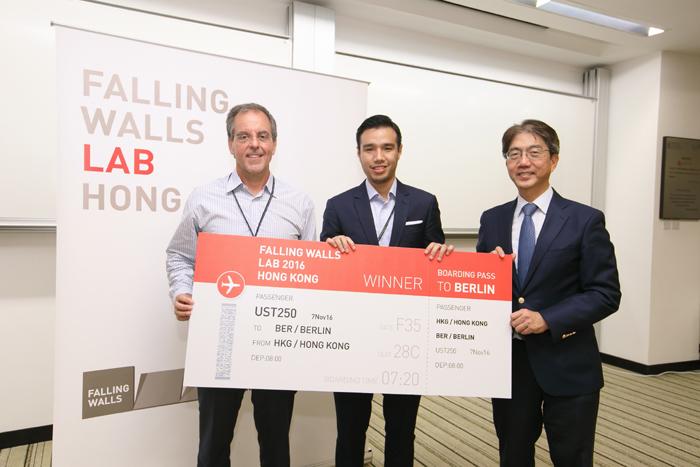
269, 200
386, 224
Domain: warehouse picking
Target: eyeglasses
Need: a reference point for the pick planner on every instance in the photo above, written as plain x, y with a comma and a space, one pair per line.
534, 153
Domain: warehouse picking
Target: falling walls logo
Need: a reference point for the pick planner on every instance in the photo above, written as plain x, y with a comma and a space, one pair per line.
111, 391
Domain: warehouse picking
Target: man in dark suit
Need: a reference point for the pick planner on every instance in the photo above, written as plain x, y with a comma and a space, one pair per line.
380, 211
565, 280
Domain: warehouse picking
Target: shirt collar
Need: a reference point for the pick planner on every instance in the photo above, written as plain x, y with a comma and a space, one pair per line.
372, 192
234, 182
542, 201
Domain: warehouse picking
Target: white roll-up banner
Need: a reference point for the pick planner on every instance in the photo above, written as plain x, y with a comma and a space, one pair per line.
140, 125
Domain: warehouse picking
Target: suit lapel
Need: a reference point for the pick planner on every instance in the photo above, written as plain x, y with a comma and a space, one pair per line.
400, 213
553, 223
505, 235
505, 227
364, 213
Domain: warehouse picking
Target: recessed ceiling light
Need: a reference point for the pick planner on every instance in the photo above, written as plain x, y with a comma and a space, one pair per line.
593, 17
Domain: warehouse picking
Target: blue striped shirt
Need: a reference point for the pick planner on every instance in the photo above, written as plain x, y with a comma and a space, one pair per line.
212, 208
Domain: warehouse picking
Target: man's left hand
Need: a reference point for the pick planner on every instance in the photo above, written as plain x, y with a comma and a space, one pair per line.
526, 322
438, 250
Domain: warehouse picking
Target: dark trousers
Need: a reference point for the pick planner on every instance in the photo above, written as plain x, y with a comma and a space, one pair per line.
569, 422
218, 411
352, 414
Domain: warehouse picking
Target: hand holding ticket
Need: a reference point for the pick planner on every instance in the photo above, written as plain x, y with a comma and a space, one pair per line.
281, 314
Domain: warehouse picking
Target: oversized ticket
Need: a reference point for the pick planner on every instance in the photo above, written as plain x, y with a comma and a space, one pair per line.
286, 314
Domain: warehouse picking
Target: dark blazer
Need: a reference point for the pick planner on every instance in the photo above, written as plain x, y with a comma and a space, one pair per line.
572, 281
349, 214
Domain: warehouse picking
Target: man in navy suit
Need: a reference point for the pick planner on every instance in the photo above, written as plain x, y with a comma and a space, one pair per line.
564, 280
381, 211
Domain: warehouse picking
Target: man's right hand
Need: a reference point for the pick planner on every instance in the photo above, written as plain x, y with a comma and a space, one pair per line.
342, 243
183, 306
501, 254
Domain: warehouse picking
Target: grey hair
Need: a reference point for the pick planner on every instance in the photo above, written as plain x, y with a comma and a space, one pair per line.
241, 108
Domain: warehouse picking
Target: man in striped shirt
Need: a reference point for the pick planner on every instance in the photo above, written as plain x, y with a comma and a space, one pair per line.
248, 201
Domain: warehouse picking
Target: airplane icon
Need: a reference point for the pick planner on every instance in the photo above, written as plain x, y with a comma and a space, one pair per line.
229, 285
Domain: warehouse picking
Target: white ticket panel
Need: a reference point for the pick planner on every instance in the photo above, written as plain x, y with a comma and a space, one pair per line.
281, 314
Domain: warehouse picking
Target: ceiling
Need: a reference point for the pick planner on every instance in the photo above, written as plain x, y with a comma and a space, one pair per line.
507, 25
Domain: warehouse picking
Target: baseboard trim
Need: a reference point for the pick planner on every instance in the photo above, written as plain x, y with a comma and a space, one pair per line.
691, 365
36, 434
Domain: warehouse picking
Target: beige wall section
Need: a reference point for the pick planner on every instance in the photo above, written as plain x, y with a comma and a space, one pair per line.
264, 16
462, 244
675, 280
629, 208
27, 301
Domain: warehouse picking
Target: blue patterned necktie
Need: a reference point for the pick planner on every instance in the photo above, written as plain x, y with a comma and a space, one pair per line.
526, 243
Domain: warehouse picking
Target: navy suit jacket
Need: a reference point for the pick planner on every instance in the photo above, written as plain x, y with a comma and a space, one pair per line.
349, 214
572, 281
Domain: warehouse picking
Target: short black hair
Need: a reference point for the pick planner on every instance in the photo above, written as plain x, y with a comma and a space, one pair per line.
378, 121
534, 127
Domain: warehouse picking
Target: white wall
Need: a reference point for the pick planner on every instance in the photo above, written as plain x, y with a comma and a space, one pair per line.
27, 89
632, 146
27, 302
675, 281
659, 261
27, 259
376, 40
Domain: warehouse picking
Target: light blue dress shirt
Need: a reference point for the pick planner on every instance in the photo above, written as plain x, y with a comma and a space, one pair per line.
212, 208
382, 210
